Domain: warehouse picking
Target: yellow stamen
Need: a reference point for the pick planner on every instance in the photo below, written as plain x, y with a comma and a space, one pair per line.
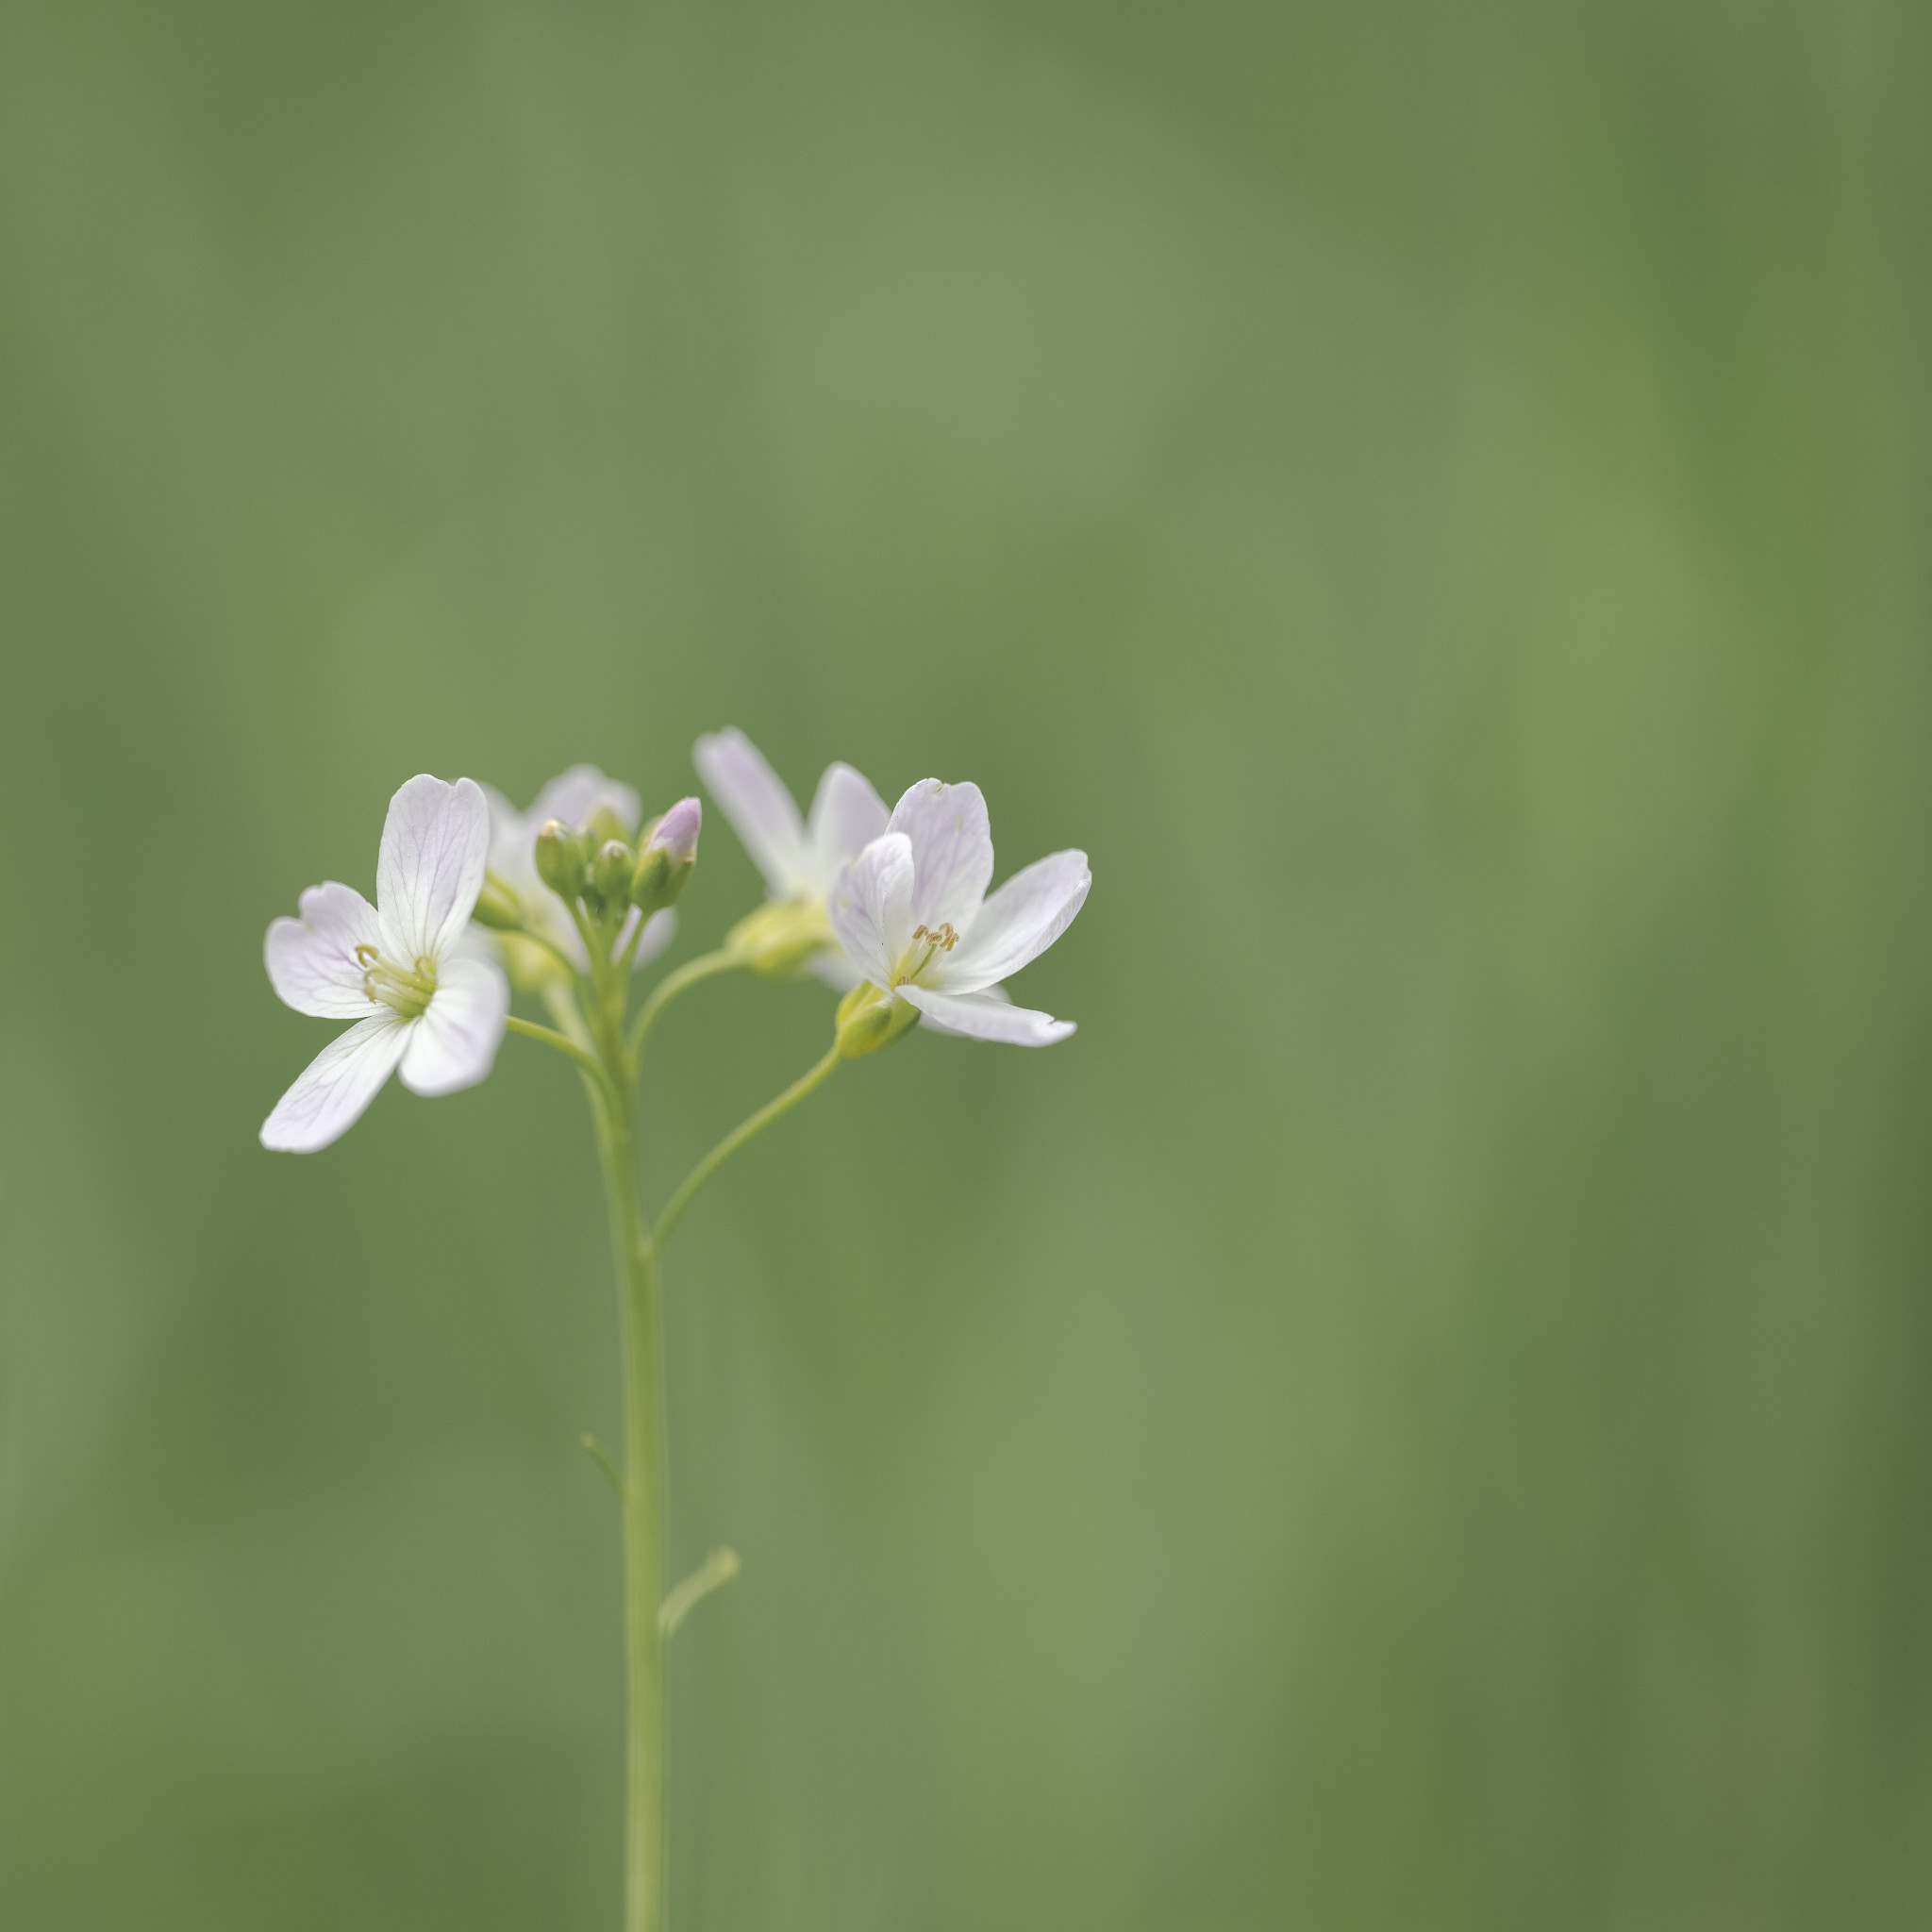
402, 992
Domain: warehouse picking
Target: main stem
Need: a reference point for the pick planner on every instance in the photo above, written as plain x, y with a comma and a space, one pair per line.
643, 1564
610, 1075
641, 1323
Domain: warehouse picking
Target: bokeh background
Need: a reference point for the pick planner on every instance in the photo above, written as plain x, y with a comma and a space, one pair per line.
1417, 1416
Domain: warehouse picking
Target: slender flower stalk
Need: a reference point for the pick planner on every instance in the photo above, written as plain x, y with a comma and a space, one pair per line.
806, 1083
706, 966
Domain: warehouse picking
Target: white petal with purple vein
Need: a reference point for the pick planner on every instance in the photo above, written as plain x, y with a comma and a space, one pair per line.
435, 846
762, 811
846, 816
312, 960
336, 1087
984, 1016
952, 850
1016, 923
871, 904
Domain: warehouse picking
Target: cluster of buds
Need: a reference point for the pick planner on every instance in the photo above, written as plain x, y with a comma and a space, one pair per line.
596, 865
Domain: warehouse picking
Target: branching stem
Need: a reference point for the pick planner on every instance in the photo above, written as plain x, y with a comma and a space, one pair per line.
736, 1138
703, 967
561, 1043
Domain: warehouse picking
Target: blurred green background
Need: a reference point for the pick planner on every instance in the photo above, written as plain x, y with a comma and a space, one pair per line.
1417, 1416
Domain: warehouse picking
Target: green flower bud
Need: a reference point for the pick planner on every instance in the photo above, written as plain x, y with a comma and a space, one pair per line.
497, 906
778, 939
868, 1019
560, 860
611, 871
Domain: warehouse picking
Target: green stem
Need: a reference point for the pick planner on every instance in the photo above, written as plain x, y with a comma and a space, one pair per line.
563, 1044
640, 1489
666, 989
735, 1139
642, 1497
714, 1572
561, 1000
607, 1062
598, 948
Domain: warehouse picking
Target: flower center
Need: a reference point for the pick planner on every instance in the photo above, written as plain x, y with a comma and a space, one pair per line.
926, 941
405, 994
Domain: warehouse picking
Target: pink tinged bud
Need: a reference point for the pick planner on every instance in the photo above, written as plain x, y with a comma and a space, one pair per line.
669, 854
678, 830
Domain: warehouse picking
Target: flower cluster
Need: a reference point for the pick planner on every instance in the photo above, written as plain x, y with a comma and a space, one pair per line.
890, 909
564, 902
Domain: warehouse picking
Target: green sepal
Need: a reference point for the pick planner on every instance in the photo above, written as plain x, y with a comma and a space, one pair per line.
868, 1019
658, 879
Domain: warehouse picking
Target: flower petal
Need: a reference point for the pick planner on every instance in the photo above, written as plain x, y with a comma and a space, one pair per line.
312, 960
454, 1045
993, 993
577, 794
984, 1016
870, 906
759, 807
846, 816
1016, 923
952, 849
336, 1087
435, 846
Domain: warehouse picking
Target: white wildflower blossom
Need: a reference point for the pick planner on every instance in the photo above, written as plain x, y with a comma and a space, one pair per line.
430, 1000
797, 856
914, 917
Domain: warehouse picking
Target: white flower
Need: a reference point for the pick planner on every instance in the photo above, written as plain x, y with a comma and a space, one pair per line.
797, 857
912, 913
430, 1001
571, 798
